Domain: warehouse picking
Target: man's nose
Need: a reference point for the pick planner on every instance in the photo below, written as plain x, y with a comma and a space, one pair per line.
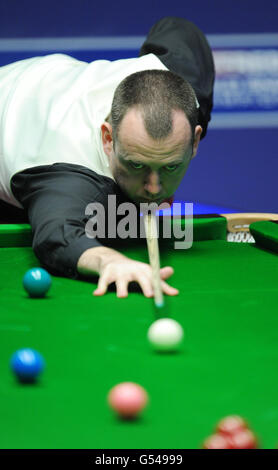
152, 184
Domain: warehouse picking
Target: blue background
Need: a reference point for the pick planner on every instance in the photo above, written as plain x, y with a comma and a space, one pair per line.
21, 18
235, 168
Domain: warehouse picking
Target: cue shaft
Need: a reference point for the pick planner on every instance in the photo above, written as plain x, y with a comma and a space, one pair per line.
153, 250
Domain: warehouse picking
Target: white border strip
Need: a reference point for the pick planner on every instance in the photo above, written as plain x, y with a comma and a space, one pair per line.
127, 42
242, 120
243, 40
71, 44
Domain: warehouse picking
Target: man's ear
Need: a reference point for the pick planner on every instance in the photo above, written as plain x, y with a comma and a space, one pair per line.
198, 133
107, 138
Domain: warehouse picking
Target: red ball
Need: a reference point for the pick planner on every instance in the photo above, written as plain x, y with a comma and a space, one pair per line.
128, 399
231, 425
244, 439
217, 441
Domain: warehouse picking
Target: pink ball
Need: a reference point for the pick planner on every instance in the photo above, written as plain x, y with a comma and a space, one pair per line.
127, 399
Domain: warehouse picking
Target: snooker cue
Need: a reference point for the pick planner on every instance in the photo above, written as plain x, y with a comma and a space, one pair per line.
153, 250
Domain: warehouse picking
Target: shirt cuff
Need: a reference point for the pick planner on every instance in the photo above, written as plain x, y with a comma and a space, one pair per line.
66, 258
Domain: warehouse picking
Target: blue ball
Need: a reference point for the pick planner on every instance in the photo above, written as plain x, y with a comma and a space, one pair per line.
27, 364
37, 282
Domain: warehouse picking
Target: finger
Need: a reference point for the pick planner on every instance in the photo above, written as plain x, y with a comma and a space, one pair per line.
103, 283
146, 285
169, 290
122, 288
166, 272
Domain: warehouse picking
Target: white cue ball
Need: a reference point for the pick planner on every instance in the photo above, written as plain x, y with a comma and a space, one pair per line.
165, 334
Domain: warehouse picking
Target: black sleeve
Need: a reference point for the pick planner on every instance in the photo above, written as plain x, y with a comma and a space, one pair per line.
55, 197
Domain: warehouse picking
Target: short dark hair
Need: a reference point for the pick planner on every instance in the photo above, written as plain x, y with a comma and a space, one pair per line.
157, 93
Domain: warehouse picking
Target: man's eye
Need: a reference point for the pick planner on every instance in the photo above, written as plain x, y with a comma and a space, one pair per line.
137, 166
171, 167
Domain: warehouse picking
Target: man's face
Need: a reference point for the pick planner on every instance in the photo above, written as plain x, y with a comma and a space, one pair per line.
149, 170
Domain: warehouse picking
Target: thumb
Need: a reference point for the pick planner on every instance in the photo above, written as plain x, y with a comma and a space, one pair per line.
166, 272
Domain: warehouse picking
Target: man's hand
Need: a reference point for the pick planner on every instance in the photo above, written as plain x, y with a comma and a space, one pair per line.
112, 266
125, 270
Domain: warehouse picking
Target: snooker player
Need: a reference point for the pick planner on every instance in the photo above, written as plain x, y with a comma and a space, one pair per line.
73, 133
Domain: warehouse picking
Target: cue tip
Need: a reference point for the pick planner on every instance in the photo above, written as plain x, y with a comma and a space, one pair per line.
159, 304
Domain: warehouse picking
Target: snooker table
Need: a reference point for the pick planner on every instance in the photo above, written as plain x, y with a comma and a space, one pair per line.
228, 307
